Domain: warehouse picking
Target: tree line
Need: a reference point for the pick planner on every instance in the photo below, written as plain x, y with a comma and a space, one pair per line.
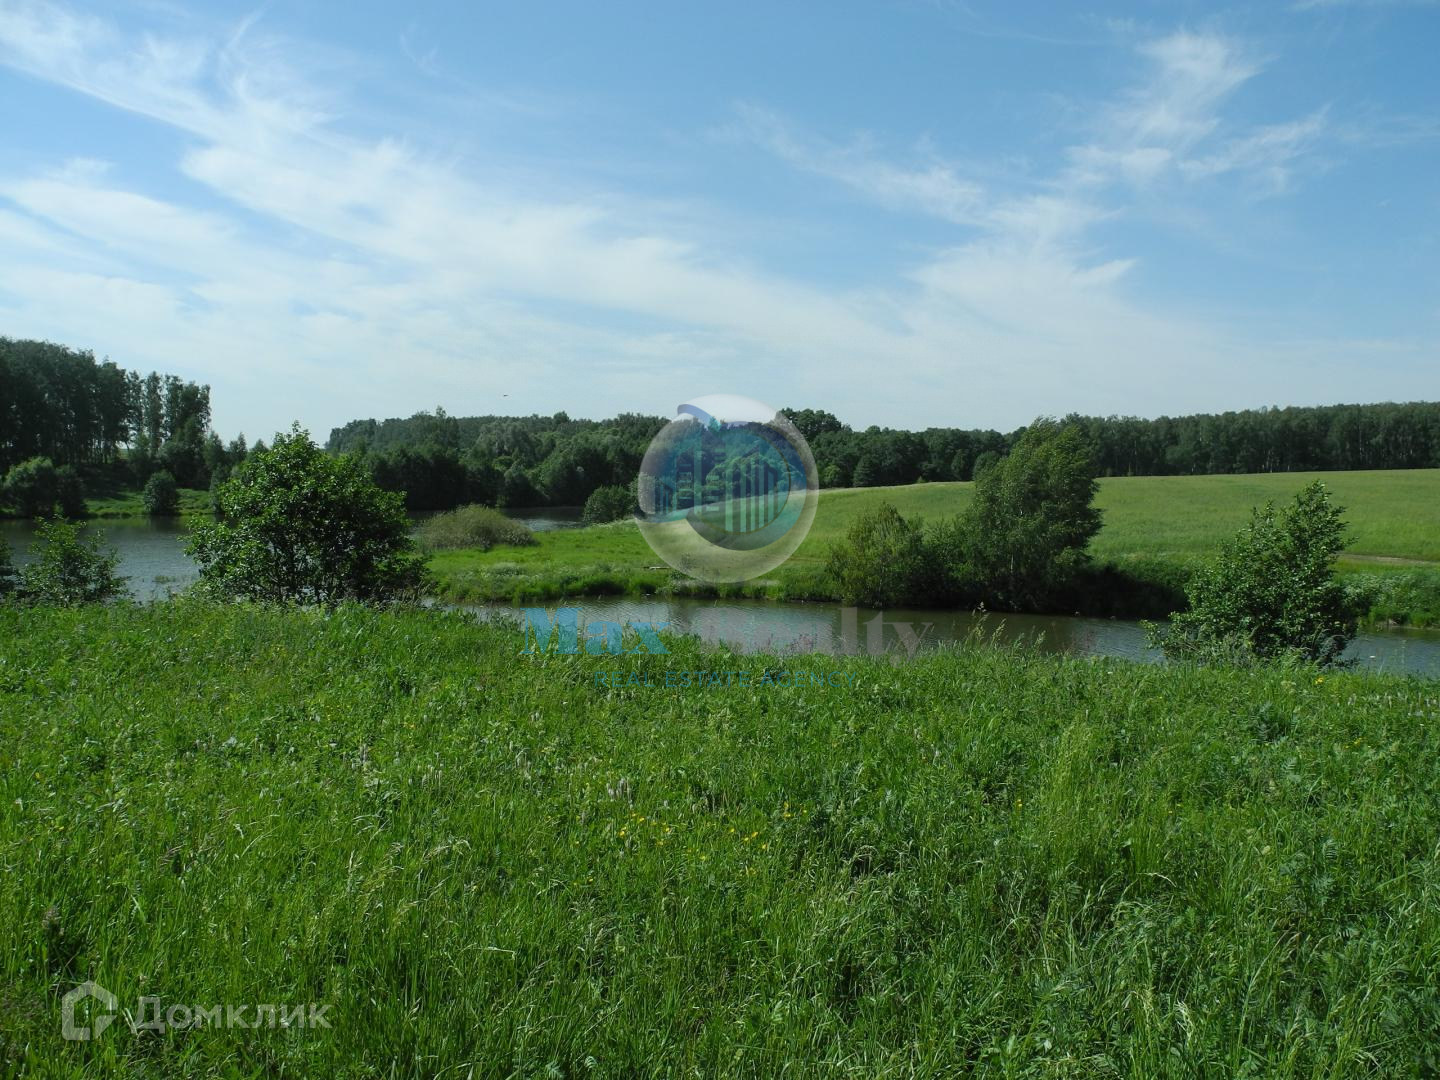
69, 422
442, 461
108, 425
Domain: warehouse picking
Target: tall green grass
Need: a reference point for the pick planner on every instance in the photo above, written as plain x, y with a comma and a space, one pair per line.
487, 865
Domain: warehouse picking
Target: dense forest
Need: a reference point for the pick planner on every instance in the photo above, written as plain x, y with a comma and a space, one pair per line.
101, 424
440, 460
104, 425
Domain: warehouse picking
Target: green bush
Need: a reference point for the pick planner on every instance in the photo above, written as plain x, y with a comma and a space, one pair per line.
69, 567
1271, 593
474, 526
161, 495
882, 560
613, 502
32, 488
36, 488
1403, 598
1019, 546
1020, 543
297, 525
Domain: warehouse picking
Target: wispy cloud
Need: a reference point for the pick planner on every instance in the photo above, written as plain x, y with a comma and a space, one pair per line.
373, 275
420, 245
932, 188
1168, 127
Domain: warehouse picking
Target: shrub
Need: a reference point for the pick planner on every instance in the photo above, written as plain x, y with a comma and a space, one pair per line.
1021, 542
161, 496
1019, 546
32, 488
881, 561
294, 524
1401, 597
69, 568
1271, 593
472, 527
613, 502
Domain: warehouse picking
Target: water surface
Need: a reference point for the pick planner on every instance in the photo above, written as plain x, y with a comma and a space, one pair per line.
749, 626
153, 559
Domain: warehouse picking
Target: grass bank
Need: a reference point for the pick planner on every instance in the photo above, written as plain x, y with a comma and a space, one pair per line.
1154, 529
485, 864
130, 503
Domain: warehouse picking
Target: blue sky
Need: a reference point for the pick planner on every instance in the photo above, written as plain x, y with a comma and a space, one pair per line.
909, 214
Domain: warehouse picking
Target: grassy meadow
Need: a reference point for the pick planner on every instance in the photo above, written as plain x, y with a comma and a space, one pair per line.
130, 503
1394, 524
487, 865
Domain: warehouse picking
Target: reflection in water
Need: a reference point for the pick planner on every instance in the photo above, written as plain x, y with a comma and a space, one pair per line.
546, 518
756, 626
153, 558
152, 551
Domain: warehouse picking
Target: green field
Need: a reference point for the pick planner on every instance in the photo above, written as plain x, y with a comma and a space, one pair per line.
486, 865
128, 503
1394, 518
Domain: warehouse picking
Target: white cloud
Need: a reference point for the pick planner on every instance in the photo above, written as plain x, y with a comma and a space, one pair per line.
932, 189
1193, 74
1267, 153
333, 276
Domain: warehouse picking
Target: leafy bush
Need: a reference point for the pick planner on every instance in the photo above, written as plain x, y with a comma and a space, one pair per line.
297, 525
161, 495
1271, 593
613, 502
36, 488
883, 559
1020, 544
68, 567
984, 462
472, 527
1402, 597
32, 487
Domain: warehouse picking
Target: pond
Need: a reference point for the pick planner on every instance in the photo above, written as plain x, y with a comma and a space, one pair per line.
758, 626
152, 552
152, 557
